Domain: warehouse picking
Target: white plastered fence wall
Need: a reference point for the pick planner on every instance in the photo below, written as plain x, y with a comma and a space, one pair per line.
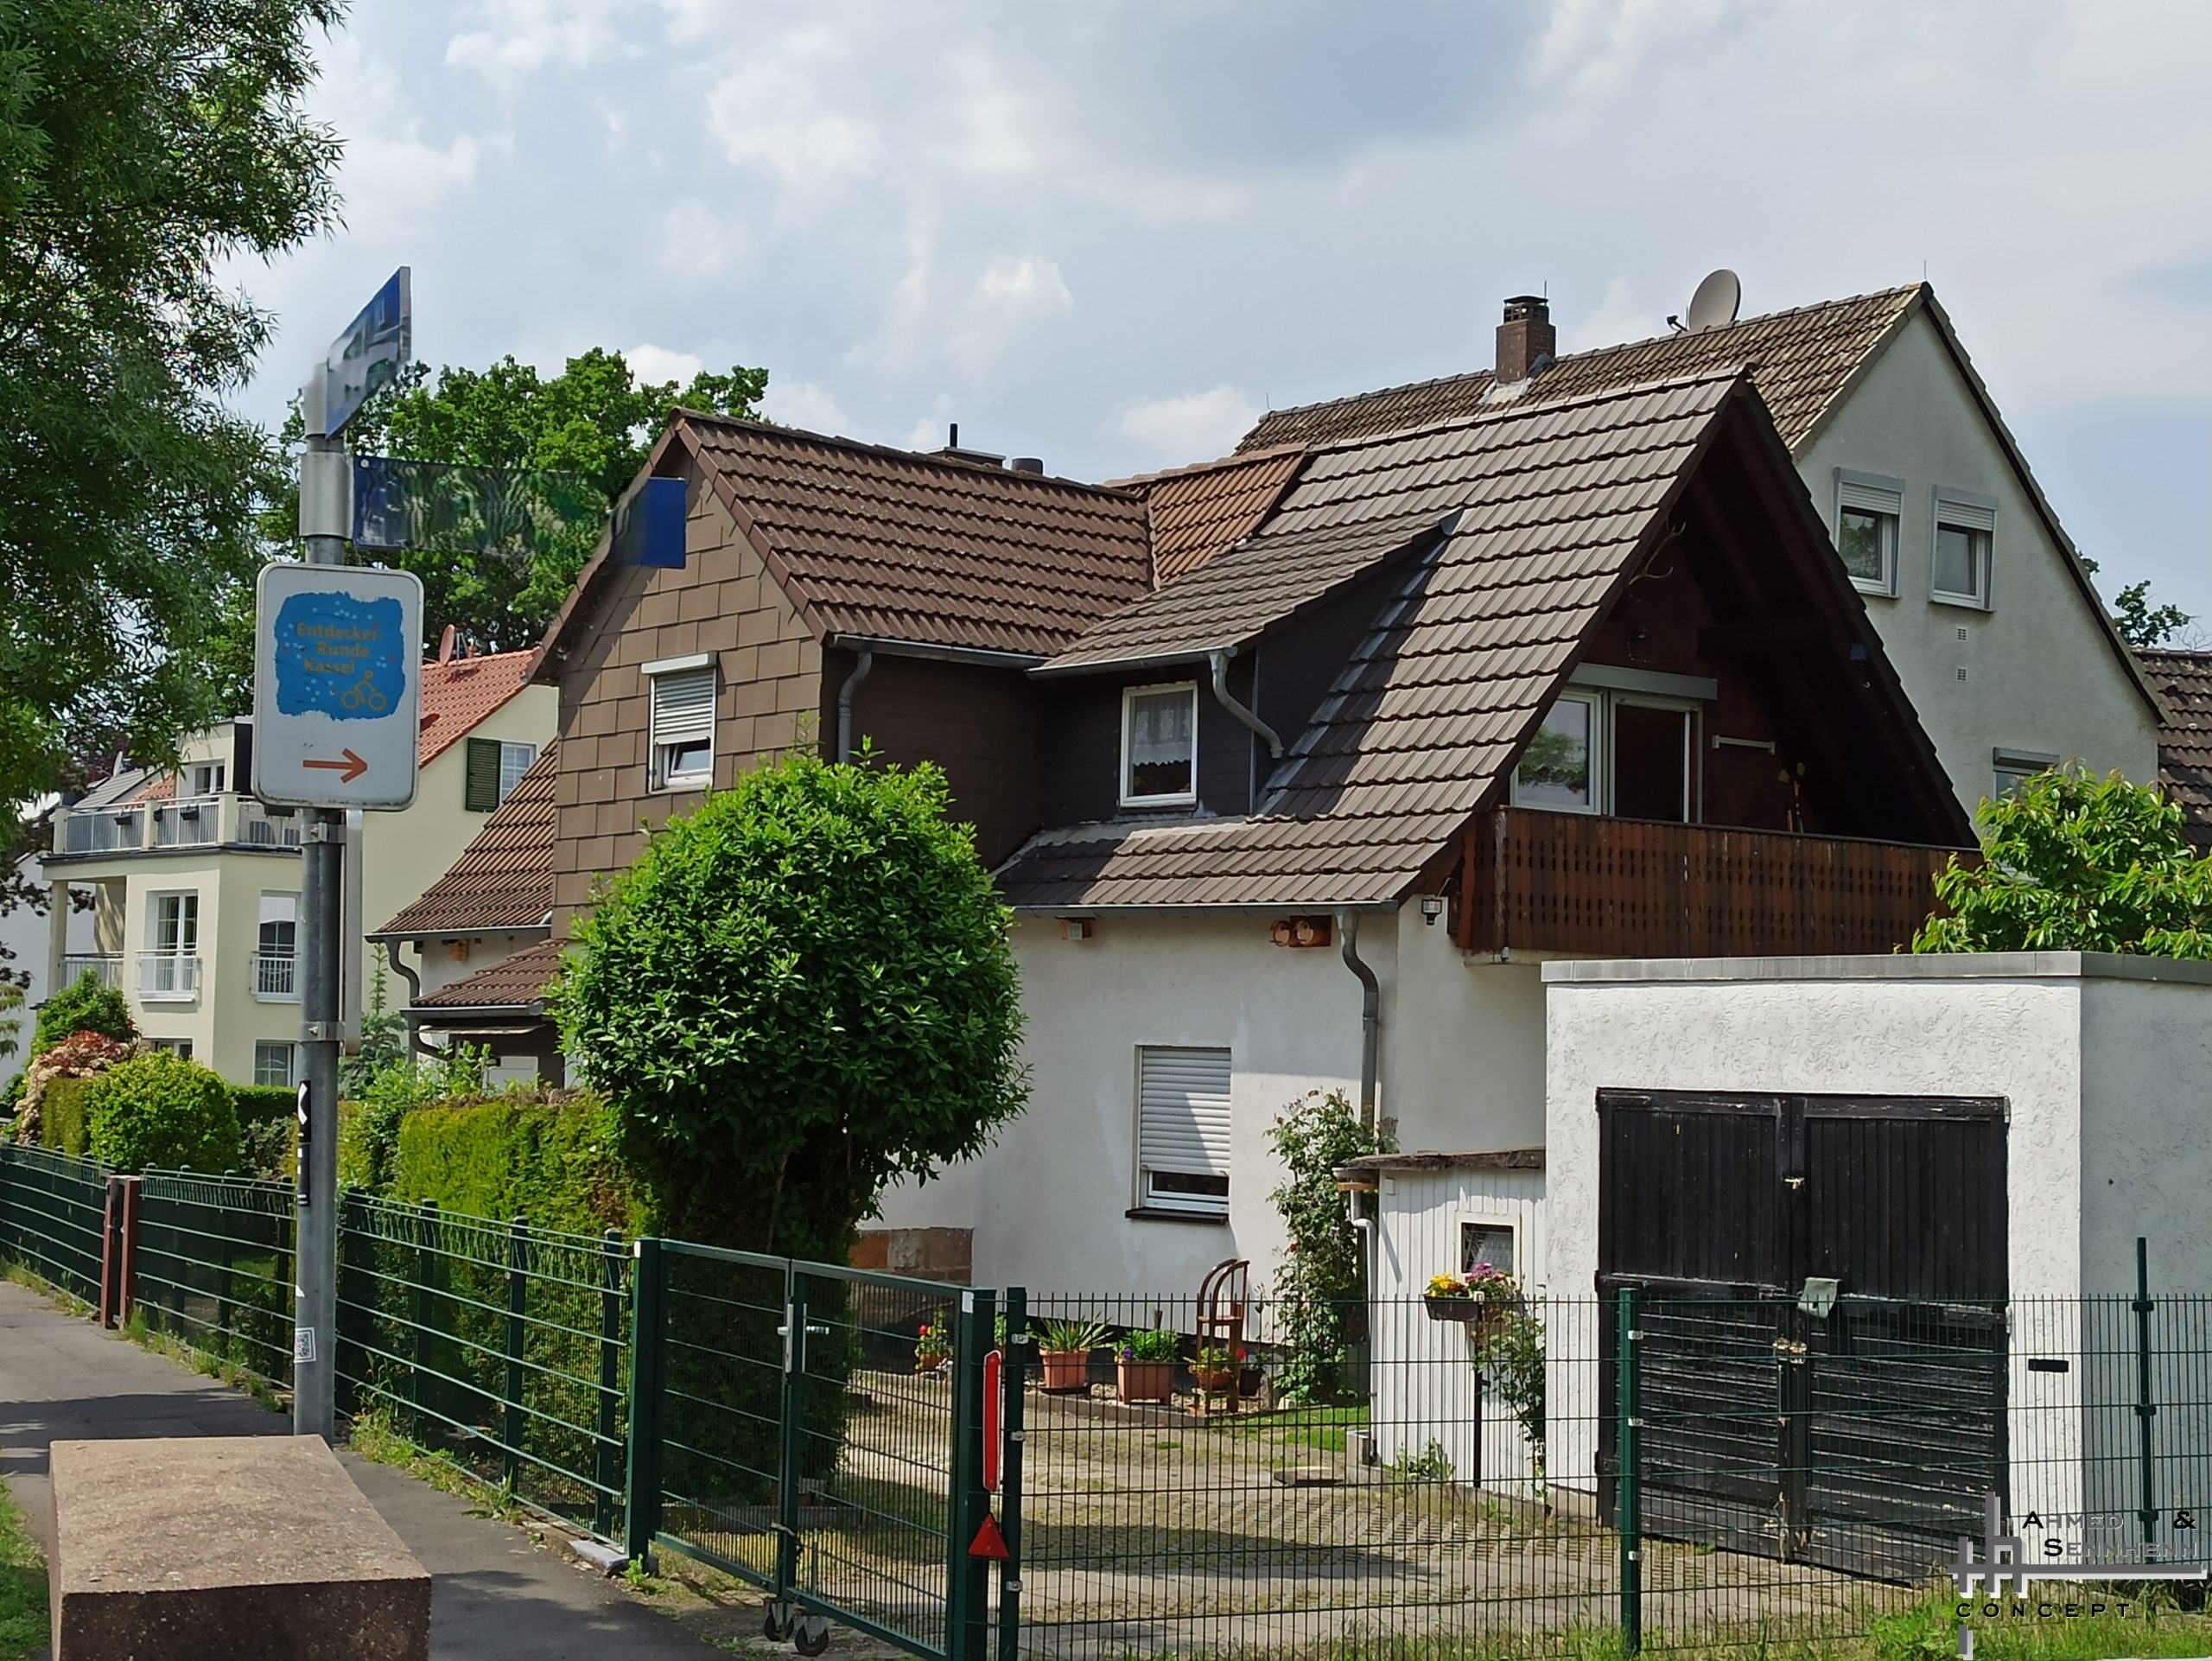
2100, 1059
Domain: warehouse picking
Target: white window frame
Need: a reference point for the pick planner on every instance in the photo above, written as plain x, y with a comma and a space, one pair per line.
261, 1047
1129, 694
1204, 1207
1974, 512
1464, 1219
657, 777
1652, 691
207, 778
180, 1048
1872, 492
2018, 766
184, 947
516, 759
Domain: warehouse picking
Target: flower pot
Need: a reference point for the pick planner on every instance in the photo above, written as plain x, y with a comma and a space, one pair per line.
929, 1363
1480, 1315
1065, 1371
1215, 1378
1145, 1381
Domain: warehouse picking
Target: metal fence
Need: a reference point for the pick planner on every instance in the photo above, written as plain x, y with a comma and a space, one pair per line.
52, 1211
212, 1268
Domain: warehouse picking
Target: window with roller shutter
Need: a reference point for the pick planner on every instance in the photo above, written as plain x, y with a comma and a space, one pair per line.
1183, 1131
682, 719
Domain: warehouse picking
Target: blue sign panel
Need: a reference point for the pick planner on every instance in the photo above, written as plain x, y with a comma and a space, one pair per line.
370, 352
339, 656
649, 526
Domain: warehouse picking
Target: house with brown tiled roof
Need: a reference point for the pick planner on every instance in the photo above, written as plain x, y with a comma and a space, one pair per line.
1571, 676
195, 884
1973, 583
2183, 682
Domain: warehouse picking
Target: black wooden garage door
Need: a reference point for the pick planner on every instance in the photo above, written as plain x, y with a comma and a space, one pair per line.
1864, 1439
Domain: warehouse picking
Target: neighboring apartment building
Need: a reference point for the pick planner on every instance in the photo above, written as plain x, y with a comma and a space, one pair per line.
1980, 600
196, 885
26, 940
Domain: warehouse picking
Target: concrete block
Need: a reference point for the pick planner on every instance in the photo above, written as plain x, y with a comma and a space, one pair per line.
244, 1548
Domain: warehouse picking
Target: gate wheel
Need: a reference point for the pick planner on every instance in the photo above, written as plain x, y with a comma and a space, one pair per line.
776, 1625
812, 1635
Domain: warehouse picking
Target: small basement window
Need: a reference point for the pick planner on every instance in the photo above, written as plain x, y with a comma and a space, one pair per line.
1159, 745
1183, 1131
1966, 529
683, 724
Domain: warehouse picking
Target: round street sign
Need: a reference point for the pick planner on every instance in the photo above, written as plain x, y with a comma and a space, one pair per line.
337, 686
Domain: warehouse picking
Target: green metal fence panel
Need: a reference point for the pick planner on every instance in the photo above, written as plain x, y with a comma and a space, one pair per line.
493, 1343
213, 1268
55, 1215
811, 1442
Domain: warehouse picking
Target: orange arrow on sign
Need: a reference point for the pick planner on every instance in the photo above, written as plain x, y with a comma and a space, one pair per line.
349, 770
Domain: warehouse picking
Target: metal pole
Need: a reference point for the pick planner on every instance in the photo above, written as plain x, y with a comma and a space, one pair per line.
1630, 1501
322, 893
2145, 1409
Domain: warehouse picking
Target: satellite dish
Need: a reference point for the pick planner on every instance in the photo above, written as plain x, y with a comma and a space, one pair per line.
1714, 305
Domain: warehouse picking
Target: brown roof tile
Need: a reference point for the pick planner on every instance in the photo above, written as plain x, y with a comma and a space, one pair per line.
504, 879
515, 982
2184, 681
1197, 511
1554, 500
1801, 359
893, 545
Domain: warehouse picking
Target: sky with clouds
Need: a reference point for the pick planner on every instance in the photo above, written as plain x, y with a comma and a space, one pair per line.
1109, 232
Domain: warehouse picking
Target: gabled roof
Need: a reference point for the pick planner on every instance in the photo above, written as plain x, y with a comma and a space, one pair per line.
886, 544
462, 692
2183, 679
1556, 504
504, 879
518, 983
1801, 359
1195, 512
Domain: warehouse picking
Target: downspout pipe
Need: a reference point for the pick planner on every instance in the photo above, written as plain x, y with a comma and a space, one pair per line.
1370, 1013
861, 665
415, 1044
1219, 662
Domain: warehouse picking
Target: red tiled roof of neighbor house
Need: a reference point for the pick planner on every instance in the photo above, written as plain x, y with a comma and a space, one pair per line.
461, 692
1800, 358
515, 982
504, 879
1195, 512
2183, 680
1527, 519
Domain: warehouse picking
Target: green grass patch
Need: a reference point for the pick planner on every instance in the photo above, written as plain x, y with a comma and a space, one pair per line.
1322, 1427
23, 1625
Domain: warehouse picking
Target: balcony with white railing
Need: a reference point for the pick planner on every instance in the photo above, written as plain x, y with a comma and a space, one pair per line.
276, 977
267, 827
168, 977
188, 822
103, 830
227, 820
105, 967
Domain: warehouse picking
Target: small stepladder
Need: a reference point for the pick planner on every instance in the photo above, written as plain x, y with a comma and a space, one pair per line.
1222, 1298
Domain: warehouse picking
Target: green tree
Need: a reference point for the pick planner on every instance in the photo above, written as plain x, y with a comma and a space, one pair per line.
87, 1004
2073, 862
1320, 1280
2142, 621
798, 993
142, 146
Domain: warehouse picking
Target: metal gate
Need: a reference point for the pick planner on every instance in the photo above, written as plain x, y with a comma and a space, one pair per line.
786, 1428
1821, 1289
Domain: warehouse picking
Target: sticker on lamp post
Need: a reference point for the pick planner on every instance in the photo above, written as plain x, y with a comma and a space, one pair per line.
337, 686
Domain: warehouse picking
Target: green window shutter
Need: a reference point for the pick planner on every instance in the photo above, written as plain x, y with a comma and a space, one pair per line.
481, 793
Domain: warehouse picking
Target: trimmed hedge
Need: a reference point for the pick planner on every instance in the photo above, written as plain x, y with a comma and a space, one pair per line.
61, 1115
256, 1103
550, 1158
162, 1112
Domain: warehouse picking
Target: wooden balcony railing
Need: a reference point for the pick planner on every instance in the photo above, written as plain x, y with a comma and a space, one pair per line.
1583, 886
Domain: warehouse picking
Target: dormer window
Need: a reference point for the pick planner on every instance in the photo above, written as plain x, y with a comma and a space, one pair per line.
1160, 746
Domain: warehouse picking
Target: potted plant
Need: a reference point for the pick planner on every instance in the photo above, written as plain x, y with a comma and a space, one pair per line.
1064, 1349
1479, 1297
1144, 1367
932, 1347
1216, 1369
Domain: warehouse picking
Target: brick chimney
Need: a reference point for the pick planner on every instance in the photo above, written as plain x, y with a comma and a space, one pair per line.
1526, 340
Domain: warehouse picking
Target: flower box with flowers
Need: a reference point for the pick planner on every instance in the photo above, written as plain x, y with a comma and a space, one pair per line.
1144, 1366
1479, 1298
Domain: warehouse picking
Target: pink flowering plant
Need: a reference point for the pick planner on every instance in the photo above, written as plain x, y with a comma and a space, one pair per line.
1485, 1283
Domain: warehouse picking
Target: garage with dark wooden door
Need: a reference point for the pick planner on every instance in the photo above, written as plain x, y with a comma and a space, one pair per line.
1821, 1284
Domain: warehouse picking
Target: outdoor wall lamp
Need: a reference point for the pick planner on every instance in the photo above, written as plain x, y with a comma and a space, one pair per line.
1431, 907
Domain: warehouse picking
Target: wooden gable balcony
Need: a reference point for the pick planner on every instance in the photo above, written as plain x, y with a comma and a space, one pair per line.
1579, 885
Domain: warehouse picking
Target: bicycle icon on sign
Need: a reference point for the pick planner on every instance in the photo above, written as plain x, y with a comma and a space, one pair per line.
365, 694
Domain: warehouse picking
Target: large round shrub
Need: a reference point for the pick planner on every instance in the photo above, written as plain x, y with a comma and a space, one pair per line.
87, 1004
161, 1112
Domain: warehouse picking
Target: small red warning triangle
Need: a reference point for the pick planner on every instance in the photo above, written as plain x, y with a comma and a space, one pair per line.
989, 1541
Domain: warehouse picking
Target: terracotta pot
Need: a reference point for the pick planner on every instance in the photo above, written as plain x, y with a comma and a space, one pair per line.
930, 1363
1065, 1371
1145, 1381
1215, 1378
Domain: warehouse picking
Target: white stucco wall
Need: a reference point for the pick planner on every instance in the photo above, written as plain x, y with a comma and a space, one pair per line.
26, 934
1461, 1063
2040, 675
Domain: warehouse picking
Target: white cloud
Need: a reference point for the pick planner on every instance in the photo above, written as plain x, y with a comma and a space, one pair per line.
518, 38
1195, 427
657, 364
1027, 286
803, 403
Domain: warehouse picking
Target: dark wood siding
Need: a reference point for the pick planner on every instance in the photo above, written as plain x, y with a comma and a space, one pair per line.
1082, 746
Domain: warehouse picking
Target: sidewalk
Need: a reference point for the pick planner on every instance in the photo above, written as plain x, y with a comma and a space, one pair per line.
495, 1595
